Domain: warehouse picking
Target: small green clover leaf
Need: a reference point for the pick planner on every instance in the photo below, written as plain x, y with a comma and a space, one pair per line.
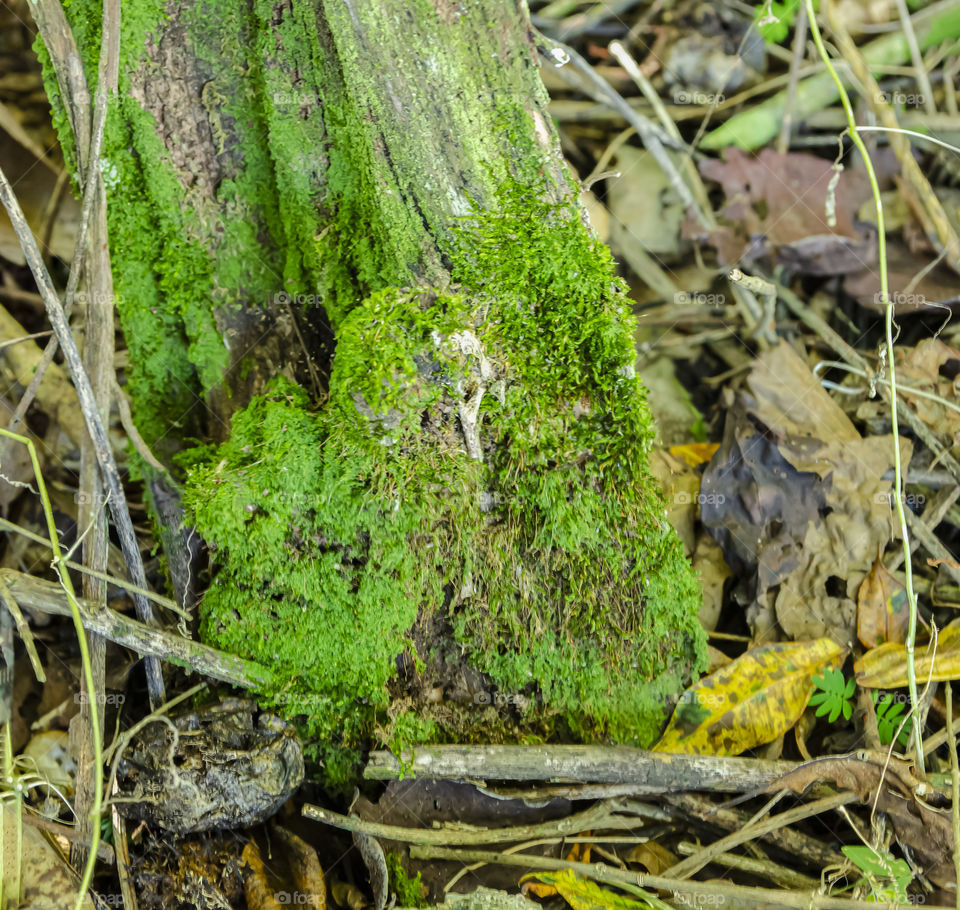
833, 694
889, 719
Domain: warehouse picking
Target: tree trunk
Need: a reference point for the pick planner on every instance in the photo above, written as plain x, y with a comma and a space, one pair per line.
347, 250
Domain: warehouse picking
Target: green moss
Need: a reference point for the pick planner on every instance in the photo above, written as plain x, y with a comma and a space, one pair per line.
340, 530
409, 891
337, 530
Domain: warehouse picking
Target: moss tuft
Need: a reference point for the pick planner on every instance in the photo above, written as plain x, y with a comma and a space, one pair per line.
340, 531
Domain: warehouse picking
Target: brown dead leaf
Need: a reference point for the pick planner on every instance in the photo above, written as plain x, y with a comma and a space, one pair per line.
916, 283
919, 368
305, 869
643, 203
655, 858
882, 613
795, 497
776, 204
923, 828
38, 873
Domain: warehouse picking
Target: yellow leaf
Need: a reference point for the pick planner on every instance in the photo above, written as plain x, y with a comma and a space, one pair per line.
582, 894
751, 701
538, 889
696, 453
886, 667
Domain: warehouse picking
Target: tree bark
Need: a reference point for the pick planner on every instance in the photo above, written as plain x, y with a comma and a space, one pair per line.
368, 198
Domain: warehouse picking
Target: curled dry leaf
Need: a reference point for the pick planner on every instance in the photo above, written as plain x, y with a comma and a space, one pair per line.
653, 857
751, 701
305, 869
886, 667
924, 828
882, 613
348, 897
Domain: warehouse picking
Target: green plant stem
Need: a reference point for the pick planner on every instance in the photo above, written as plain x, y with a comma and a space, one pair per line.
95, 735
888, 330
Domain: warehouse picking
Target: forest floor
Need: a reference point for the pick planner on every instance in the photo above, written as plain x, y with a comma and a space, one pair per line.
814, 764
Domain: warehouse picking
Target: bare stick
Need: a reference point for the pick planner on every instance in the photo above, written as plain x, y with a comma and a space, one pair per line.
695, 863
954, 785
599, 817
98, 434
48, 597
647, 772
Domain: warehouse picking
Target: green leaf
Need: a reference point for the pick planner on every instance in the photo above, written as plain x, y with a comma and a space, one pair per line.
833, 695
888, 877
889, 720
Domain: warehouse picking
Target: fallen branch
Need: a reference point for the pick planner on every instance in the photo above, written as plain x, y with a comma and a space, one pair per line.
599, 817
48, 597
646, 772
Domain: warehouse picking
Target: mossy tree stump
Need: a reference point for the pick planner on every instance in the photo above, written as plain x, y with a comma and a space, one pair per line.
350, 262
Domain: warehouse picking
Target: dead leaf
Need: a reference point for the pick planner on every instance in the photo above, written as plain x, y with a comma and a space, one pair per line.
655, 858
305, 869
882, 613
775, 204
348, 897
885, 667
713, 573
795, 497
39, 874
538, 889
258, 891
752, 701
925, 829
643, 202
916, 283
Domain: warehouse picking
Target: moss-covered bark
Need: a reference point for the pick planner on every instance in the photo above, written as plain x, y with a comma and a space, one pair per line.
469, 475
